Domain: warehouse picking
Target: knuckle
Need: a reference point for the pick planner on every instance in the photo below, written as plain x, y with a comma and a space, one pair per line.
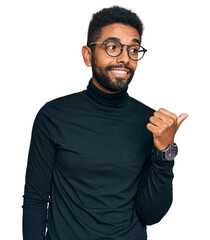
174, 117
155, 113
149, 125
150, 119
171, 121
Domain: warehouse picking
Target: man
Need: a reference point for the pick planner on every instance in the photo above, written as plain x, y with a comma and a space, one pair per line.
100, 160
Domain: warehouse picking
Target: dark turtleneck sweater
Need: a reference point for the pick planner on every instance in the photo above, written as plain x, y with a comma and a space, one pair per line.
91, 174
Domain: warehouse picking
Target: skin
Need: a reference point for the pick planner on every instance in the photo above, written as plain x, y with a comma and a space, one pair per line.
163, 124
126, 35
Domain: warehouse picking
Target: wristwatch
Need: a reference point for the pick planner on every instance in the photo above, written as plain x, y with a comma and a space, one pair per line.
167, 154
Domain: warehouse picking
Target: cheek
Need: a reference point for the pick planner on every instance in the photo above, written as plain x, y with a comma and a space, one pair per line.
134, 65
102, 59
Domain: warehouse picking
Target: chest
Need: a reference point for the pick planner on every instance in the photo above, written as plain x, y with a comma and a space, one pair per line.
102, 144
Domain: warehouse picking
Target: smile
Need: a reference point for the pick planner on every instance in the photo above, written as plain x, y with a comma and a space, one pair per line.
119, 72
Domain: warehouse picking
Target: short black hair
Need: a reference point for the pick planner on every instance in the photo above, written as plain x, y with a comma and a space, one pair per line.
111, 15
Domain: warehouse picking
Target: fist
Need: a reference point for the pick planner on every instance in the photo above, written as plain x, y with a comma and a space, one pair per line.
164, 125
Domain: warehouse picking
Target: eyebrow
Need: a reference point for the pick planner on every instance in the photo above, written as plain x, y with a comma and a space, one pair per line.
112, 39
136, 41
117, 39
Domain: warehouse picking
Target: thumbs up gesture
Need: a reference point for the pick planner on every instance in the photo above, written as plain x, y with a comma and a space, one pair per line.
164, 125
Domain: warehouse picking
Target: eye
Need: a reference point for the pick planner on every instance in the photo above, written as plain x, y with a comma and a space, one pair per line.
111, 47
134, 49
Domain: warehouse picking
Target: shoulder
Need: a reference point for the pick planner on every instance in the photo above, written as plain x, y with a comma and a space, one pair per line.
59, 107
53, 112
62, 102
141, 108
66, 100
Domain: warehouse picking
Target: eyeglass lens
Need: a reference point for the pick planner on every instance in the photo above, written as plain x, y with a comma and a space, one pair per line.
114, 49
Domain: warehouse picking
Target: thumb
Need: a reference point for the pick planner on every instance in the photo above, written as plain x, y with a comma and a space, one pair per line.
181, 118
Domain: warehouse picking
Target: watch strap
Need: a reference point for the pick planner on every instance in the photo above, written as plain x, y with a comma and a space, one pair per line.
167, 154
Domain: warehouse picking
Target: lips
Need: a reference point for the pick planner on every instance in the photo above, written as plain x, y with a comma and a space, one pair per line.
120, 72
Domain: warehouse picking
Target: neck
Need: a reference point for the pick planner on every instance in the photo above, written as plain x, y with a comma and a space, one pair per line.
119, 99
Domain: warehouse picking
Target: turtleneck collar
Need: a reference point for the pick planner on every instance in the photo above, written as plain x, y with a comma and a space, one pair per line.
112, 100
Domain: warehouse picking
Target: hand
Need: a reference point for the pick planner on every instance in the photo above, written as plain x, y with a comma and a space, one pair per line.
163, 125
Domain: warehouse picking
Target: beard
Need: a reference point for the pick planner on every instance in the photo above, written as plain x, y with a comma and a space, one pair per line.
101, 76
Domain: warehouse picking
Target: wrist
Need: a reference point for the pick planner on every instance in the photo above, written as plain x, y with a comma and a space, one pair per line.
167, 154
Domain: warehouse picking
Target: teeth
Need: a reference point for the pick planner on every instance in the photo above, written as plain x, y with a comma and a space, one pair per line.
119, 72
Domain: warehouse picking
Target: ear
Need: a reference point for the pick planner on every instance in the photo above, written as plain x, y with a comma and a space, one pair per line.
86, 53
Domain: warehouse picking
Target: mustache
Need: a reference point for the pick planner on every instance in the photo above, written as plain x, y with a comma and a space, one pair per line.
119, 66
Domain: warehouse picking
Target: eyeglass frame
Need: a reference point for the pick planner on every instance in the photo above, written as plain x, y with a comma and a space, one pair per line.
121, 50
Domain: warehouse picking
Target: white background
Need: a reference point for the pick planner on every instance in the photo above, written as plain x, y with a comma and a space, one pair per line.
40, 59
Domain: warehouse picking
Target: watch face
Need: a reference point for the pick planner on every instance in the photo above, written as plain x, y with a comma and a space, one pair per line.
171, 153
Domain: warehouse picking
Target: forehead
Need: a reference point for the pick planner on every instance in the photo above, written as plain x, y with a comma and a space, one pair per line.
125, 33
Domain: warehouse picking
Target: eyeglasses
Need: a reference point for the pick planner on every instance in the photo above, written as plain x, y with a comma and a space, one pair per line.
115, 48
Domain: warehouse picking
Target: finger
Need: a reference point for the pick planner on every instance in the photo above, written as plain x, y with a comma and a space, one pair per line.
181, 118
152, 128
165, 118
166, 112
156, 121
160, 115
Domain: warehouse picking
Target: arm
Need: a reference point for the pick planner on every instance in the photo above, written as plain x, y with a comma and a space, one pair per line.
38, 179
154, 196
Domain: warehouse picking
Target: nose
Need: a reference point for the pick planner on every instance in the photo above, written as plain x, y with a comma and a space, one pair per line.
123, 57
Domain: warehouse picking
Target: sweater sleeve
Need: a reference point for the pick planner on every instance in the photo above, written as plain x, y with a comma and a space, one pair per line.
38, 179
154, 195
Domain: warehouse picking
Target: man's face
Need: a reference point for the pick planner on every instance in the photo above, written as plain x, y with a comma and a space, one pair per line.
113, 74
